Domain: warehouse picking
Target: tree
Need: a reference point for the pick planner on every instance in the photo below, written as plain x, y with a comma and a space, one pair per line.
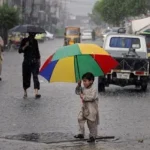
111, 11
136, 7
9, 17
115, 11
96, 18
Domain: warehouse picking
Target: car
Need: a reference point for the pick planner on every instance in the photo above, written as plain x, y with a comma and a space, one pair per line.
49, 36
114, 30
40, 37
86, 35
130, 51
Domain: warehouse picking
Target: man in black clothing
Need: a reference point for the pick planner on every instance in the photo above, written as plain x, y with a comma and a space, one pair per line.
31, 63
93, 35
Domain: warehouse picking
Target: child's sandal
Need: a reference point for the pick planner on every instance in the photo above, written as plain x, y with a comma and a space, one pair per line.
79, 136
91, 140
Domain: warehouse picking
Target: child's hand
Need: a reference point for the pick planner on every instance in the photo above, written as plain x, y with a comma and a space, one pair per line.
81, 96
79, 83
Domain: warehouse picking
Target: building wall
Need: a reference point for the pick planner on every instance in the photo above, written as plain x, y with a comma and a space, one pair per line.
1, 2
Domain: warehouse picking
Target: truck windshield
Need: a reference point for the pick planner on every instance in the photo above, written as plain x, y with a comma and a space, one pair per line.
72, 32
125, 42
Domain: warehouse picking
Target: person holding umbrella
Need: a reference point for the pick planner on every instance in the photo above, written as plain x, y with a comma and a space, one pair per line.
31, 63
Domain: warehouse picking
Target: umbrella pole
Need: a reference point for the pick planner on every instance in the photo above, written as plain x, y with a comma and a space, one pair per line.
76, 59
78, 72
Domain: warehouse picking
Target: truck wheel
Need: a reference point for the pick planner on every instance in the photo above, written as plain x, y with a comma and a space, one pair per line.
144, 87
101, 87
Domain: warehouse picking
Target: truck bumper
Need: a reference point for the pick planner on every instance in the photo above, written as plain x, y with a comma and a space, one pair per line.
133, 80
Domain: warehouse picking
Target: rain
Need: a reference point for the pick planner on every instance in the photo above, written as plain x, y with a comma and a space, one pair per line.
58, 43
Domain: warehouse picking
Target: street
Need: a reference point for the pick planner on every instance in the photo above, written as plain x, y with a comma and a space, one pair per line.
124, 112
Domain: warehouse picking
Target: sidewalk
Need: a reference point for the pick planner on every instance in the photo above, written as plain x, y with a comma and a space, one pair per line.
19, 145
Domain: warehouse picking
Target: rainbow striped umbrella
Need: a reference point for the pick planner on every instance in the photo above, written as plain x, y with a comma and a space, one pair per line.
69, 63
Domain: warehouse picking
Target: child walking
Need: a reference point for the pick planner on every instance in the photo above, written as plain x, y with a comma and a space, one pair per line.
89, 111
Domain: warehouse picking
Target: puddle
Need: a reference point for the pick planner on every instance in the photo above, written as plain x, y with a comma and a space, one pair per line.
50, 137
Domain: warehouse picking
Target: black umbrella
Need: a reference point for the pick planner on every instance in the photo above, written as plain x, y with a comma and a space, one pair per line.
27, 28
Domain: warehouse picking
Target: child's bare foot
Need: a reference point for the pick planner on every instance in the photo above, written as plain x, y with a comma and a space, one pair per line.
91, 140
79, 136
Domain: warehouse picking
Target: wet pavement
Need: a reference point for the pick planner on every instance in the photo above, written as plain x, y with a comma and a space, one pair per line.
124, 112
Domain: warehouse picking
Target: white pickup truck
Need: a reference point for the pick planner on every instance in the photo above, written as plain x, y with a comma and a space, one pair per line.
131, 53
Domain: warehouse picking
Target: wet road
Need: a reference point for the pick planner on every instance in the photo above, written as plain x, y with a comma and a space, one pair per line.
124, 112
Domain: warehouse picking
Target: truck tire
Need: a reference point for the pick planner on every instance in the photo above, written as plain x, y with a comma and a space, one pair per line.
101, 85
144, 87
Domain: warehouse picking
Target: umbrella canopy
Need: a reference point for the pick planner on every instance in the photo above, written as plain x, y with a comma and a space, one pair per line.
27, 28
69, 63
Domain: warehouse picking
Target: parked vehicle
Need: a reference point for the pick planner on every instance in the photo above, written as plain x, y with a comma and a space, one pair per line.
14, 40
105, 33
131, 53
112, 31
147, 37
142, 27
40, 37
72, 35
49, 36
86, 35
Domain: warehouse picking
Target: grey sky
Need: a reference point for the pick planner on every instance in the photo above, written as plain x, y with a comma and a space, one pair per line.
81, 7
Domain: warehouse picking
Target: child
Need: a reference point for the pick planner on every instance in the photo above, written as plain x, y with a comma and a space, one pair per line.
89, 111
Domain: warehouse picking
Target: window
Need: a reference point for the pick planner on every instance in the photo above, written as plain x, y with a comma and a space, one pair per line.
72, 32
125, 42
148, 43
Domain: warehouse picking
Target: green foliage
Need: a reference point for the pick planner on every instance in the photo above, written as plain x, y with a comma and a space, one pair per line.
95, 17
136, 7
9, 17
115, 11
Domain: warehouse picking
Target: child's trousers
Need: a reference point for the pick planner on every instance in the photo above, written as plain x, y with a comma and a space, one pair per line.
92, 125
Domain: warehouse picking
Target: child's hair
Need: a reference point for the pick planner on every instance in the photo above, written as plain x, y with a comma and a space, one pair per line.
89, 76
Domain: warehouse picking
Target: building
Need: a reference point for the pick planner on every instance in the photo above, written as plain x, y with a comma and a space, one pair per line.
1, 2
13, 3
80, 21
45, 13
32, 11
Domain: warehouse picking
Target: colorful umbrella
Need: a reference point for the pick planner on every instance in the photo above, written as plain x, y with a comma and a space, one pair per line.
69, 63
